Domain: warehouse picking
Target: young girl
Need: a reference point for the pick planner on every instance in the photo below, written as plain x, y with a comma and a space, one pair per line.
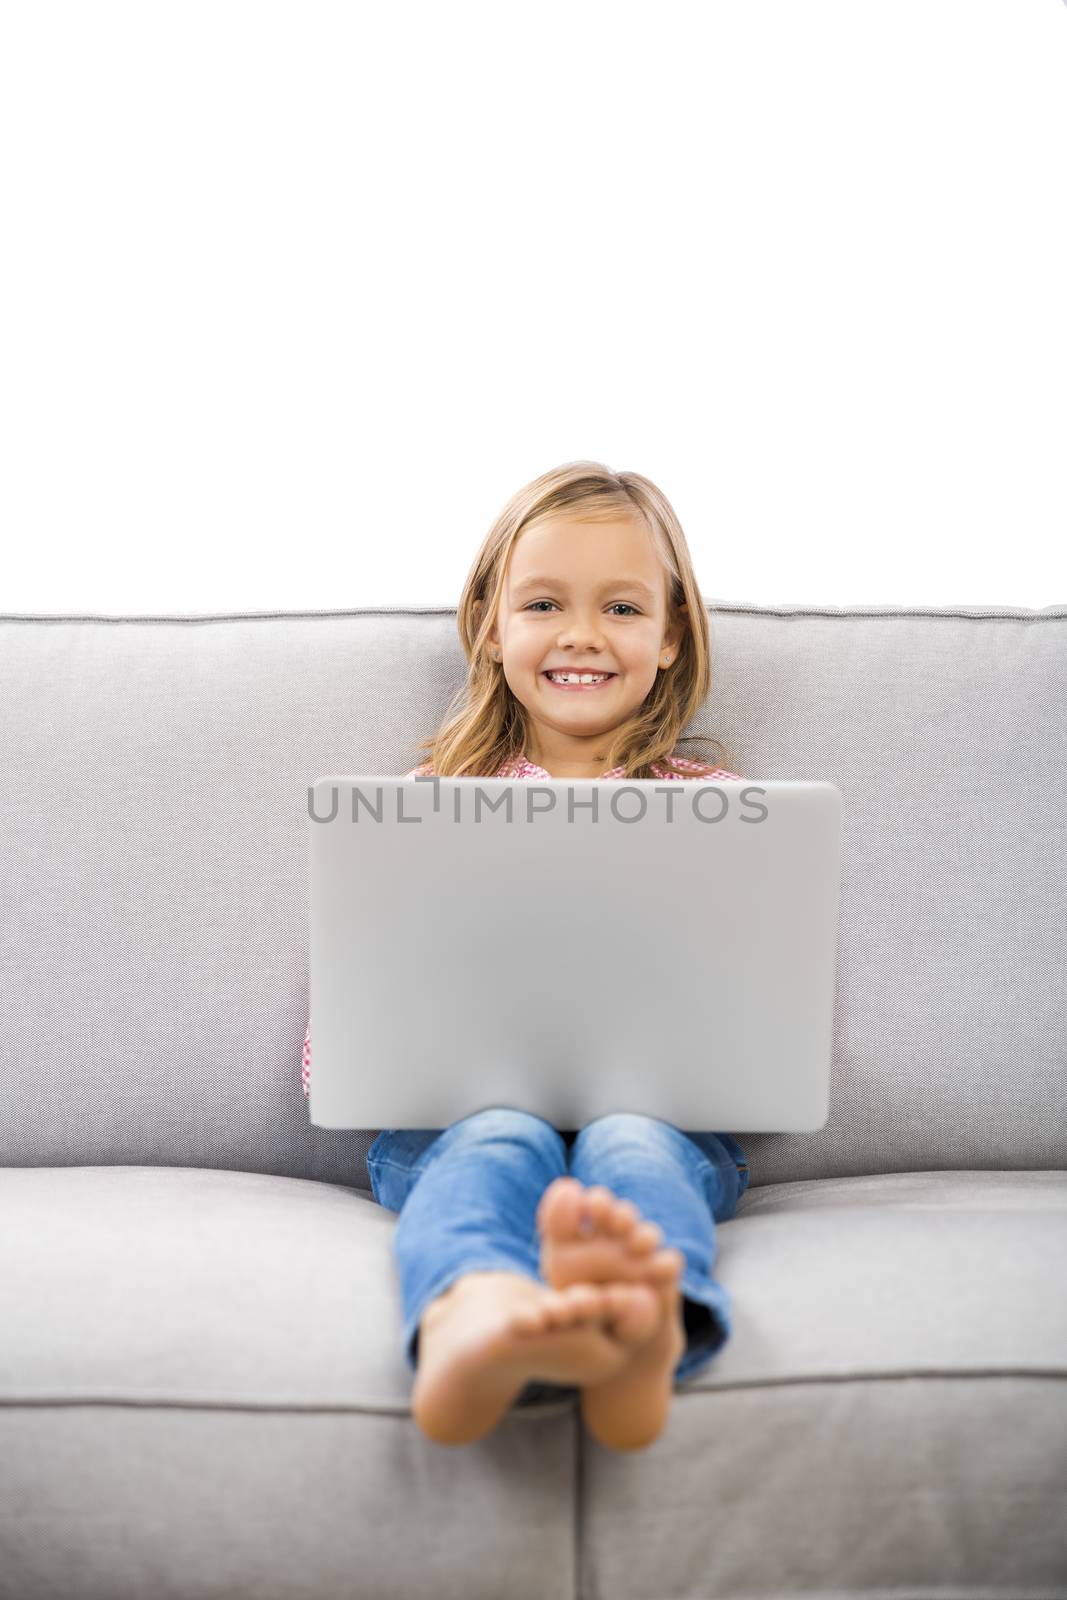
527, 1256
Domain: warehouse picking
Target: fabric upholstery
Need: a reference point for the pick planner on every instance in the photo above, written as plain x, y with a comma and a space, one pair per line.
153, 801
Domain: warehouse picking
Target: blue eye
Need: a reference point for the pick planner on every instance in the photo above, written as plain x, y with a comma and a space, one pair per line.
624, 603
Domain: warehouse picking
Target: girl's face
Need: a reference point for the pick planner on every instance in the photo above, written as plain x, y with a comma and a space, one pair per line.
588, 596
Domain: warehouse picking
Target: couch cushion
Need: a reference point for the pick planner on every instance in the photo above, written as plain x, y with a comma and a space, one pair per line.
154, 830
199, 1366
889, 1416
201, 1373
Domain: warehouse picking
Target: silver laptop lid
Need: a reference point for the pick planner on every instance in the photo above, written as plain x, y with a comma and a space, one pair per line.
571, 948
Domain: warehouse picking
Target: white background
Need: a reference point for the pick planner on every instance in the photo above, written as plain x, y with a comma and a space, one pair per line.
294, 296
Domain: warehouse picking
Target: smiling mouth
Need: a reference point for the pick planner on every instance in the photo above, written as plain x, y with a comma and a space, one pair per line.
574, 688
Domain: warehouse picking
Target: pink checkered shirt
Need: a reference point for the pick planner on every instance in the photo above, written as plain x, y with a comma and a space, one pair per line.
521, 768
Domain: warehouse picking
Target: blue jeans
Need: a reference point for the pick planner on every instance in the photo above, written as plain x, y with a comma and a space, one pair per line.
468, 1194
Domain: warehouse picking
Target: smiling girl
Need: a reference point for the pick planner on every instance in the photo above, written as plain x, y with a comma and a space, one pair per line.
525, 1255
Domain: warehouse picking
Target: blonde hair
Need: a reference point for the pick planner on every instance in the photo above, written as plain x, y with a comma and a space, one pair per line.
485, 725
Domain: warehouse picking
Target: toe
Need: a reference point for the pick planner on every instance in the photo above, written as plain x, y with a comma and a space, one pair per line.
558, 1309
646, 1236
584, 1301
622, 1219
560, 1208
598, 1203
666, 1264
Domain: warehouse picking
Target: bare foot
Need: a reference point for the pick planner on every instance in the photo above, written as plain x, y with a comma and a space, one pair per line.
490, 1333
590, 1235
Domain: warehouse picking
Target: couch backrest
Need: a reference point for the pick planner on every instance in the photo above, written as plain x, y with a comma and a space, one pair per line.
153, 792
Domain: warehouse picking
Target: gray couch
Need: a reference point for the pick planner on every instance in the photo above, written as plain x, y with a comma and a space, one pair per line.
202, 1390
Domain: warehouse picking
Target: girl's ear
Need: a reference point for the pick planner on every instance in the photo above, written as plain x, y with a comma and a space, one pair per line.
680, 612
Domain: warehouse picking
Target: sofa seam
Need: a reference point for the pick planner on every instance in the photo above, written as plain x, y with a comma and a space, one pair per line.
687, 1388
739, 608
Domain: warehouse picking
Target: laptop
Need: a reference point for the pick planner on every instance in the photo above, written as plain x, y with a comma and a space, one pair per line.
572, 948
